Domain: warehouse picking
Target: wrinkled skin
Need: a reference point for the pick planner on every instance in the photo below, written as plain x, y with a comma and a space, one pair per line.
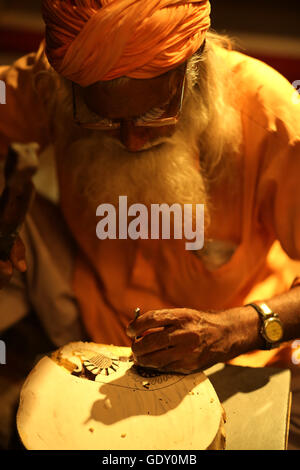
133, 98
16, 261
184, 340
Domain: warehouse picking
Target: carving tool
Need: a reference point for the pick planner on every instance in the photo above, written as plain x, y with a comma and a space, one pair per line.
137, 312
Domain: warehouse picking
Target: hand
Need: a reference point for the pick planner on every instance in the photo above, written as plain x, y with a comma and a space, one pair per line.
181, 339
17, 261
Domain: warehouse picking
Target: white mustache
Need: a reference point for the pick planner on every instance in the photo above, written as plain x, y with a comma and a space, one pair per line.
148, 146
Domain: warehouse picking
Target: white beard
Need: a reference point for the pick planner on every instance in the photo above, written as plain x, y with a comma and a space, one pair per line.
179, 170
101, 169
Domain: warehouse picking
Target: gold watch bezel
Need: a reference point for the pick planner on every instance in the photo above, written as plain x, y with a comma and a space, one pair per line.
268, 327
268, 318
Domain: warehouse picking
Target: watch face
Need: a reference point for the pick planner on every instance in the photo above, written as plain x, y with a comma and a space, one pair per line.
273, 330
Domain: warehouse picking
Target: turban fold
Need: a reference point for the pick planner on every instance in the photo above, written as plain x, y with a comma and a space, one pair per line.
97, 40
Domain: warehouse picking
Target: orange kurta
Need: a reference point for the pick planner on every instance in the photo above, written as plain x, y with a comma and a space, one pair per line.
113, 277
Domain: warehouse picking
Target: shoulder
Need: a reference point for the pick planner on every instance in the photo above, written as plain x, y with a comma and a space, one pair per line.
266, 97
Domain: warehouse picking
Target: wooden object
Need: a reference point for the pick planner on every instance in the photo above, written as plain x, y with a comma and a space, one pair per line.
89, 396
20, 166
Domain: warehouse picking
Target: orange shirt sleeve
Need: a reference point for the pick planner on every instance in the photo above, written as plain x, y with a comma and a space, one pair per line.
278, 169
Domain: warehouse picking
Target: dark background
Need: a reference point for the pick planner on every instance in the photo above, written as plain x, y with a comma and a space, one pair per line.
258, 16
266, 16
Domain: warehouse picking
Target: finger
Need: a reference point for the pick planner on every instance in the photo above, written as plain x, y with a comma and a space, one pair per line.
151, 319
191, 362
163, 358
6, 271
180, 367
153, 342
17, 255
167, 337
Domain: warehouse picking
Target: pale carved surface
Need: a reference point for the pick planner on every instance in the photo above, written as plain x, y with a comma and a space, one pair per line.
64, 405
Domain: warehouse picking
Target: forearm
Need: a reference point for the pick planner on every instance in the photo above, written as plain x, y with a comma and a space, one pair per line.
184, 339
246, 323
288, 308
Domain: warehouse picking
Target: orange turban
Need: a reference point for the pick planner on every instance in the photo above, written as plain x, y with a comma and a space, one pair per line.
92, 40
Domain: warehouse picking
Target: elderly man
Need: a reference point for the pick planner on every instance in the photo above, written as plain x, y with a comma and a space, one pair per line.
138, 98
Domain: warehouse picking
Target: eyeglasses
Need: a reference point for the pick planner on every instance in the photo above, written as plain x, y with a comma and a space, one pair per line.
166, 115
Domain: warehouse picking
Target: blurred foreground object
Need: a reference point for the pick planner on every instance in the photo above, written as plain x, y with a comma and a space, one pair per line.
20, 166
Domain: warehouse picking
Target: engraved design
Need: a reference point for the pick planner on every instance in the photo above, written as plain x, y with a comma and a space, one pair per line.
146, 383
93, 365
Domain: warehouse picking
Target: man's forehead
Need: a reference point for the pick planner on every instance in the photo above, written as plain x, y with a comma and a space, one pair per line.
129, 97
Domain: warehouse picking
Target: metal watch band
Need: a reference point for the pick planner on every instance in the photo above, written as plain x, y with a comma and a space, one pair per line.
265, 314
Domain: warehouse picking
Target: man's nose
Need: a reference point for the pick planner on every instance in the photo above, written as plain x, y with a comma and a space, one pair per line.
134, 138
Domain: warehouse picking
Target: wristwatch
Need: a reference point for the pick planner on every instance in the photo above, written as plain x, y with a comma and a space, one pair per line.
271, 327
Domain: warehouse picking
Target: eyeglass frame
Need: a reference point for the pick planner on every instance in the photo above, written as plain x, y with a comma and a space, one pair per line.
167, 121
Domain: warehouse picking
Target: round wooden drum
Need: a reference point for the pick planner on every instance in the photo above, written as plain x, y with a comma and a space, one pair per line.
91, 396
